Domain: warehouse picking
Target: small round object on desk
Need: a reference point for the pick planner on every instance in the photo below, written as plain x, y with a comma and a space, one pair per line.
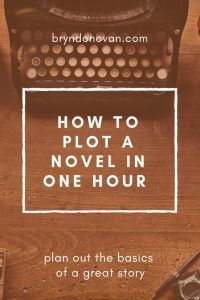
60, 61
90, 72
94, 49
81, 49
106, 49
118, 49
96, 61
73, 61
121, 62
145, 62
133, 62
42, 72
32, 49
57, 49
36, 61
149, 73
78, 72
49, 61
142, 50
66, 72
162, 73
45, 49
85, 62
69, 49
130, 50
102, 73
109, 62
31, 73
54, 72
114, 73
126, 73
137, 73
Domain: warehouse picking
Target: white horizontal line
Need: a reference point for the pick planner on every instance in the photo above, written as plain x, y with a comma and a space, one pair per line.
98, 89
98, 211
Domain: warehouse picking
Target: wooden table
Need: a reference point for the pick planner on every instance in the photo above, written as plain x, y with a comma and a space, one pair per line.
170, 238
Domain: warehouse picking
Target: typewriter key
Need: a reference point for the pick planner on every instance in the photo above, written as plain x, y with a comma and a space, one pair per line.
45, 49
118, 49
102, 73
75, 34
42, 72
60, 61
26, 35
96, 61
57, 49
154, 50
94, 49
121, 62
31, 73
133, 62
162, 73
149, 73
85, 62
130, 50
100, 35
114, 73
106, 49
54, 72
48, 61
69, 49
88, 35
81, 49
63, 34
32, 49
145, 62
126, 73
78, 72
66, 72
109, 62
36, 61
38, 35
73, 61
90, 72
157, 62
137, 73
142, 50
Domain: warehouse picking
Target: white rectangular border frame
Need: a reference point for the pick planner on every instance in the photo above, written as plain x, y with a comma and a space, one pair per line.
25, 90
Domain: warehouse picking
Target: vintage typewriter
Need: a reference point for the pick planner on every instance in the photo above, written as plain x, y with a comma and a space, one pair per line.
39, 61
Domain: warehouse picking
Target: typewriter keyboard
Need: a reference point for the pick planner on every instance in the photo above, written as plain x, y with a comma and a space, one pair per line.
141, 64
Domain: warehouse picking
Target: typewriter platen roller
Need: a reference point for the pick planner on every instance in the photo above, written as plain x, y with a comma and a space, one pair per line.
39, 61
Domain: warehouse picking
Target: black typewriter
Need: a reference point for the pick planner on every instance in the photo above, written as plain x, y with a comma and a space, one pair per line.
88, 43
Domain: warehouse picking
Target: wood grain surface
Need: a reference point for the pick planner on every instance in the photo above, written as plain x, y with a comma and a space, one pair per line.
170, 238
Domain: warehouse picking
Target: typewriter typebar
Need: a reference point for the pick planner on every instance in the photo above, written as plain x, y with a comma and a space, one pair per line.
41, 61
